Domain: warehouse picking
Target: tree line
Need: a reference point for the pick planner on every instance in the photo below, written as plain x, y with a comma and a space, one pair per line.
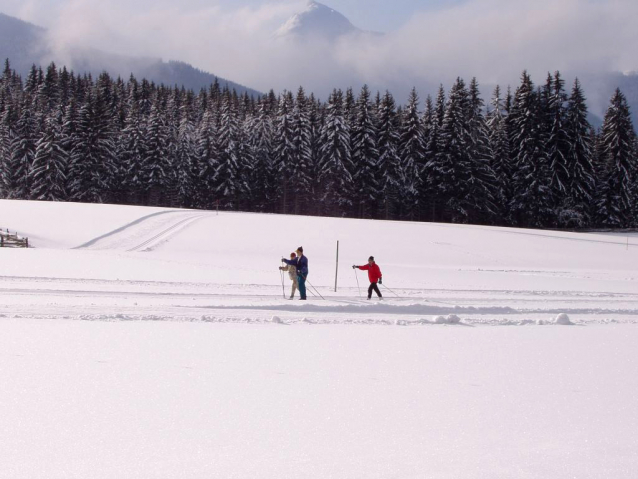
528, 158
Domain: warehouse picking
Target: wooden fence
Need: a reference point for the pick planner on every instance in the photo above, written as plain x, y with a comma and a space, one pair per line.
12, 240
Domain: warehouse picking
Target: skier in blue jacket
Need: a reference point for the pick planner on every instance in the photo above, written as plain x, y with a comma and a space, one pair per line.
301, 263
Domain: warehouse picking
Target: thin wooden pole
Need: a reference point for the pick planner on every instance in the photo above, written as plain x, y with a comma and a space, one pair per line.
337, 270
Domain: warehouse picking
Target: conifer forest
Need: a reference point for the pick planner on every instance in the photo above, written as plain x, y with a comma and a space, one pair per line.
526, 157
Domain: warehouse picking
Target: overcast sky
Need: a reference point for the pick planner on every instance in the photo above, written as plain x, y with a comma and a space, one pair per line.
379, 15
428, 41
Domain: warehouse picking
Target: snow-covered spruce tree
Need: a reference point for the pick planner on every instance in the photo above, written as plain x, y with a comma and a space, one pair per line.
264, 175
6, 81
92, 156
431, 202
246, 165
390, 170
22, 151
146, 97
302, 153
428, 121
483, 184
33, 81
499, 154
454, 168
7, 124
49, 91
156, 162
172, 117
440, 106
208, 159
5, 154
105, 131
118, 191
82, 158
530, 204
557, 147
376, 106
580, 164
65, 88
228, 180
427, 195
350, 110
365, 159
132, 151
48, 172
68, 131
316, 114
284, 152
412, 154
616, 194
336, 163
476, 120
185, 160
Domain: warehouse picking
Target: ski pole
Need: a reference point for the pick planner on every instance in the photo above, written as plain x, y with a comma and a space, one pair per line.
309, 290
283, 288
390, 290
312, 286
357, 277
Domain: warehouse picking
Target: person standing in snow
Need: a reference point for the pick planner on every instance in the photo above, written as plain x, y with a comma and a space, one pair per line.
301, 263
374, 275
292, 274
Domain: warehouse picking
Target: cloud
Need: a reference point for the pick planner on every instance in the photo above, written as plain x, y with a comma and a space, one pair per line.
496, 39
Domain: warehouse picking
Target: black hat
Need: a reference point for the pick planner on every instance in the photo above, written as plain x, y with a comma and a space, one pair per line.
371, 258
300, 249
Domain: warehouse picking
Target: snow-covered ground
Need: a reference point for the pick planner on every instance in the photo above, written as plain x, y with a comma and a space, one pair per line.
146, 342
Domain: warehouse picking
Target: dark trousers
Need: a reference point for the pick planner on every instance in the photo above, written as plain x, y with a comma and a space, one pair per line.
375, 288
302, 286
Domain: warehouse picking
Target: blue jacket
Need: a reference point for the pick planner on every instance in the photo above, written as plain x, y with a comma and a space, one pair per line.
301, 263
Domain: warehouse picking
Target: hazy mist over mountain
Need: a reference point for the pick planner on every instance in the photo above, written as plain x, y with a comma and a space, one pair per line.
25, 44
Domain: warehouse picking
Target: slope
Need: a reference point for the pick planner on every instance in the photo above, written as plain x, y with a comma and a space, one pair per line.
146, 342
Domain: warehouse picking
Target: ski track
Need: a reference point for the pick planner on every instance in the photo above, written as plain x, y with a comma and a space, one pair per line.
146, 233
216, 303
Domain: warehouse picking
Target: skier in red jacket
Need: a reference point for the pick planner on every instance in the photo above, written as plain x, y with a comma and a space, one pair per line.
374, 275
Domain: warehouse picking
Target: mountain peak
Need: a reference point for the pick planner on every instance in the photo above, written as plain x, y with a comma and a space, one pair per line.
317, 20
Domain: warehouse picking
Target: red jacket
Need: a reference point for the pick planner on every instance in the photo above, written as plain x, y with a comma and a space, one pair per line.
374, 272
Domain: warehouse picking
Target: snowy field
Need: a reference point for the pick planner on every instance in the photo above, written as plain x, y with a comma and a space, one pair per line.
153, 343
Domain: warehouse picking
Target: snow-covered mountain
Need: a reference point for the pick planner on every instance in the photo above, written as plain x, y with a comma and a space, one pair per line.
318, 21
25, 44
21, 42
